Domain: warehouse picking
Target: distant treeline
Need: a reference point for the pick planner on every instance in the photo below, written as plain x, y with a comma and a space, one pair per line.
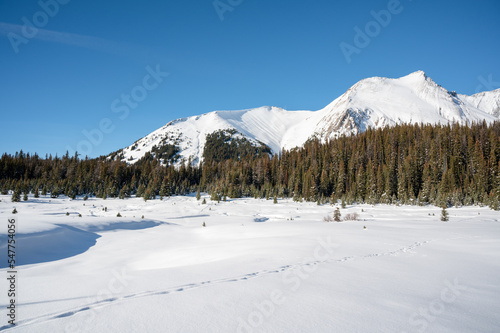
408, 164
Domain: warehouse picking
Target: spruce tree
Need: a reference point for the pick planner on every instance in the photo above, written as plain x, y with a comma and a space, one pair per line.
444, 214
16, 196
343, 204
336, 215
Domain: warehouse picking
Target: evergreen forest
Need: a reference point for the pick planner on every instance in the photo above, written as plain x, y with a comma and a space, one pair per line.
443, 165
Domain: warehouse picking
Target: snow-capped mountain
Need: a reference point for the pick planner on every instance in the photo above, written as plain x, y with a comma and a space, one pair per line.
373, 102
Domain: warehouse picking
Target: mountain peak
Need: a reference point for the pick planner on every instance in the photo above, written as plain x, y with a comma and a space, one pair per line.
417, 76
418, 73
371, 103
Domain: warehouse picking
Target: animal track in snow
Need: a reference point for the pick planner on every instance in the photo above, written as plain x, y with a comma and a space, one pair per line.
190, 286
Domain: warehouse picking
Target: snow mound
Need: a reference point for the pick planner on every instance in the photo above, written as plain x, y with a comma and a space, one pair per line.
59, 243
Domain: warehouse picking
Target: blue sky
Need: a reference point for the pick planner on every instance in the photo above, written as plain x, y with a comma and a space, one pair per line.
73, 75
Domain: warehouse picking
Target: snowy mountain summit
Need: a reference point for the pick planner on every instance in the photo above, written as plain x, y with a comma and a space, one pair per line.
374, 102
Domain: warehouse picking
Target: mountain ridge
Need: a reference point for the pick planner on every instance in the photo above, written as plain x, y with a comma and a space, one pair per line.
372, 102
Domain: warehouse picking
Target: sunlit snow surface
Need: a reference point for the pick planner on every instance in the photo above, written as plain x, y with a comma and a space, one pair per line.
255, 267
374, 102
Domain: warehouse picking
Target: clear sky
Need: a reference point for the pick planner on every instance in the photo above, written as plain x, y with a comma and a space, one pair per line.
73, 67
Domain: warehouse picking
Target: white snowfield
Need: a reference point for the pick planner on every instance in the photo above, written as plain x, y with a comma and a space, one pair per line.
374, 102
255, 267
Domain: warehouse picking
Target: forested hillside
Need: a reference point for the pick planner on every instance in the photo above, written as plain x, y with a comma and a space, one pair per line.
407, 164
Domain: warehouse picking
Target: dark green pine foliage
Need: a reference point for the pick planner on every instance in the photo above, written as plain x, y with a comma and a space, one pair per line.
448, 165
16, 196
336, 215
226, 144
444, 214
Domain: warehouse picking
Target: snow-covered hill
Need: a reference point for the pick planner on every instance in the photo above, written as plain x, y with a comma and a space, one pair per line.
373, 102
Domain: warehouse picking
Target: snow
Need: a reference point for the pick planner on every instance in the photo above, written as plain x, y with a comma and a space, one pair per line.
374, 102
488, 101
415, 98
266, 124
255, 267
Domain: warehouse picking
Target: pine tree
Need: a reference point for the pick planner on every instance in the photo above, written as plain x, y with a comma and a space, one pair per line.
165, 190
25, 196
215, 196
343, 203
198, 194
444, 214
360, 185
148, 194
140, 190
16, 196
336, 215
437, 164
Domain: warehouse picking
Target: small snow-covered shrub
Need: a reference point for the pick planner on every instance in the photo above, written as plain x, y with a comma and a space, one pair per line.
351, 217
328, 218
337, 215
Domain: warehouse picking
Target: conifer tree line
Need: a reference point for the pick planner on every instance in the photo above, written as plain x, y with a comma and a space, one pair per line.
408, 164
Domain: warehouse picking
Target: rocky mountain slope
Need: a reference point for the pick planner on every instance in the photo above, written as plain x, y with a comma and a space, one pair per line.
373, 102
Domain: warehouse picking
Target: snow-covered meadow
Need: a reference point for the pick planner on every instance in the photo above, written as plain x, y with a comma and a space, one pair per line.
255, 267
